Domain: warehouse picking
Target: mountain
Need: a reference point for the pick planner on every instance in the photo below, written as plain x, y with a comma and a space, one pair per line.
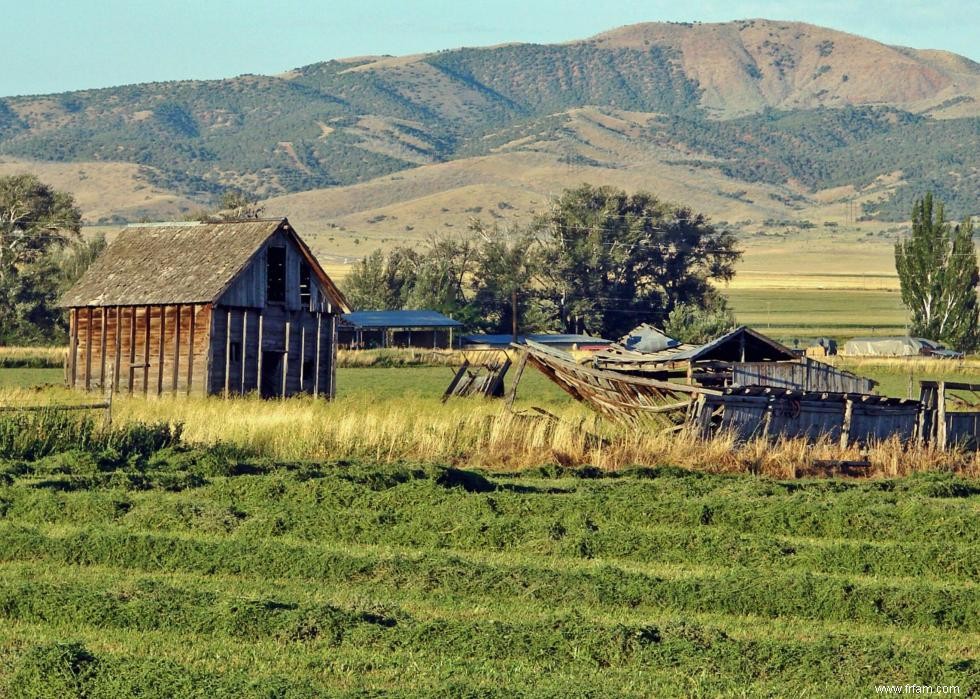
753, 118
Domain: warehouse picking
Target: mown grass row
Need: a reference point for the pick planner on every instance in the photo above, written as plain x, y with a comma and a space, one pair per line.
798, 594
575, 528
563, 644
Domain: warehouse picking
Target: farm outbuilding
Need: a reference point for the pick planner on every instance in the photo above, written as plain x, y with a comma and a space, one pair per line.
892, 347
401, 328
205, 308
742, 357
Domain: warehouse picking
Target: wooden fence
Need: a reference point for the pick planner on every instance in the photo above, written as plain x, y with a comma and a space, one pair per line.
804, 375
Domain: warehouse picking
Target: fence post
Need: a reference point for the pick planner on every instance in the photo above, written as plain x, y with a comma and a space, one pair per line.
845, 428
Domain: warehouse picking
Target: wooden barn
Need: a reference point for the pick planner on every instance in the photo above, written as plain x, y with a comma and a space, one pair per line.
205, 308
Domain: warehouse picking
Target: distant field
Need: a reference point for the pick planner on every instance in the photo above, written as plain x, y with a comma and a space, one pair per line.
788, 314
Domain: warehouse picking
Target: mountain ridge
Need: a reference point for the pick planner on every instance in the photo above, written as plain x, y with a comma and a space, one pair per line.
787, 105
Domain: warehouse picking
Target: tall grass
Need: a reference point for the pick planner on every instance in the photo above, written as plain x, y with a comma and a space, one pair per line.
32, 357
481, 433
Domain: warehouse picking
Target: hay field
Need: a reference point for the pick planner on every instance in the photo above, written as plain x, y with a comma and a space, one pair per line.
132, 564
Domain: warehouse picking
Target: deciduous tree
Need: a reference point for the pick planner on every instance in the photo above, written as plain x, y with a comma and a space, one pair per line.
937, 269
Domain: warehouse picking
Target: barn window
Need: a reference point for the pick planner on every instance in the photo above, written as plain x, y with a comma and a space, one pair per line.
275, 275
234, 351
305, 287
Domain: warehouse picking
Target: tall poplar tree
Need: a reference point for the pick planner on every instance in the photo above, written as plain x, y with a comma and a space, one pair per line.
937, 268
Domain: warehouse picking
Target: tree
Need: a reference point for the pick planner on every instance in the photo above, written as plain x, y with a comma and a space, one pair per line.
505, 279
937, 269
699, 324
614, 260
39, 232
34, 219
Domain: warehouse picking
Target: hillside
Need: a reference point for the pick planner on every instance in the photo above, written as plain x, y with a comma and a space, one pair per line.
744, 119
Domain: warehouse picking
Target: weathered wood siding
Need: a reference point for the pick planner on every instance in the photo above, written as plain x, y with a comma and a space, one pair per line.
139, 349
806, 374
288, 344
963, 430
249, 288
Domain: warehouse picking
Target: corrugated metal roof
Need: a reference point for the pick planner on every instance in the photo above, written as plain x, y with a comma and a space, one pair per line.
544, 339
399, 319
179, 263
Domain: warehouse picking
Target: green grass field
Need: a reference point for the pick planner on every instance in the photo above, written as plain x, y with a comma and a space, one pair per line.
788, 314
132, 566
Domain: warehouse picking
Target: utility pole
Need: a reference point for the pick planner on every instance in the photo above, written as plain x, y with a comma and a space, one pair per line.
513, 312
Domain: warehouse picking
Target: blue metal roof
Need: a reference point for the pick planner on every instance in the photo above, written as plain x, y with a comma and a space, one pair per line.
544, 339
399, 319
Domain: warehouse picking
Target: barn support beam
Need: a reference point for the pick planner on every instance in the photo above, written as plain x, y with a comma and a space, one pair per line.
190, 350
117, 359
102, 335
244, 349
147, 314
285, 361
176, 371
302, 358
333, 358
73, 350
88, 349
227, 354
162, 347
258, 360
132, 349
316, 361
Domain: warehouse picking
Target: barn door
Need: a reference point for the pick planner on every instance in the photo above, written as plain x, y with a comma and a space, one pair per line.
271, 374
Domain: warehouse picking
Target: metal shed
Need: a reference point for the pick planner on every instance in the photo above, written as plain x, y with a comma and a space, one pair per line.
401, 328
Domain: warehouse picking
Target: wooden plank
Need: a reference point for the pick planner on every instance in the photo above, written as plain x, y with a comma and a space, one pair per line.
302, 358
941, 415
258, 361
73, 353
147, 313
456, 380
333, 358
190, 350
176, 371
285, 361
845, 429
117, 358
209, 364
102, 334
228, 354
316, 370
88, 350
132, 348
517, 380
244, 348
163, 335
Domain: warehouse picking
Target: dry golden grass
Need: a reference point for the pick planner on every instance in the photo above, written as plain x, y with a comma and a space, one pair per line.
32, 356
480, 433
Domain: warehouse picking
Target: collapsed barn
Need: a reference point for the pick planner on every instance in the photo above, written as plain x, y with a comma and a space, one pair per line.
208, 308
750, 386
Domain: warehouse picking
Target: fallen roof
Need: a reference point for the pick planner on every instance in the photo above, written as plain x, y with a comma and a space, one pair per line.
399, 319
186, 262
728, 347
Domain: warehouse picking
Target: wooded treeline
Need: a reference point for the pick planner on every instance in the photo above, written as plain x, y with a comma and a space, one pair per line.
601, 261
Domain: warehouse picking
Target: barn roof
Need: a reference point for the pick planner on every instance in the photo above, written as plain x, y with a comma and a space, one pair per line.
185, 262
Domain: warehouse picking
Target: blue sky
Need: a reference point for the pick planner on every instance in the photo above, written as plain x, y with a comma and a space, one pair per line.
58, 45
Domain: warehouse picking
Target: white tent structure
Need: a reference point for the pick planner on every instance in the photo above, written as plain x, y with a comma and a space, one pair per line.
890, 347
